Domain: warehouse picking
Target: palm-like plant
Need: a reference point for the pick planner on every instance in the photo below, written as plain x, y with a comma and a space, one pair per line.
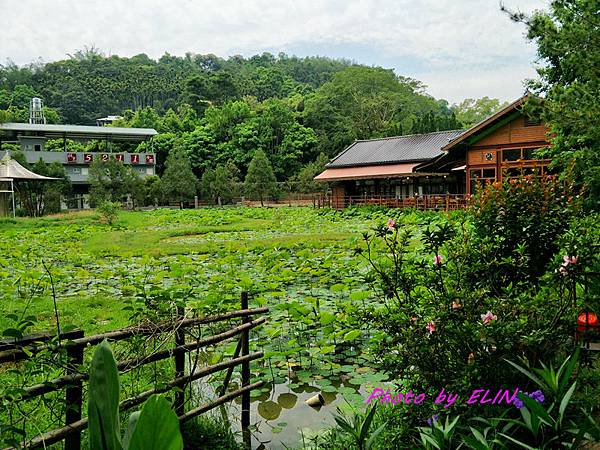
358, 427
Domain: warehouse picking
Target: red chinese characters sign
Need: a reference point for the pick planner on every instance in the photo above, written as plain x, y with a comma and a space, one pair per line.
135, 158
149, 159
71, 157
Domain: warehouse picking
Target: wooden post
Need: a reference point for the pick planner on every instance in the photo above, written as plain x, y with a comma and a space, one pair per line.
447, 201
74, 394
245, 374
179, 358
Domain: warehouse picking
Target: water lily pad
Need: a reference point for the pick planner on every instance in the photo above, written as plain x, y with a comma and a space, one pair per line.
346, 390
269, 410
287, 400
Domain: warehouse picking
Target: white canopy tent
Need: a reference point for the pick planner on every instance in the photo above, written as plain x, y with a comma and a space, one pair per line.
11, 170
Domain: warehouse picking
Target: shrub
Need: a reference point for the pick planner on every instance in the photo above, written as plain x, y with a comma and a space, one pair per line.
109, 212
516, 226
205, 432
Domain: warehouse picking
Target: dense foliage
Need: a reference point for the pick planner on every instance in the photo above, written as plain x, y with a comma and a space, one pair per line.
568, 46
221, 111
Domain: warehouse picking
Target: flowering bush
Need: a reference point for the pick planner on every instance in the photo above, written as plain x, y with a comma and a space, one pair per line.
516, 227
460, 296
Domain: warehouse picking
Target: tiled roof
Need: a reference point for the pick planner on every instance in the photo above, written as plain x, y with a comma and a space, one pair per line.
400, 149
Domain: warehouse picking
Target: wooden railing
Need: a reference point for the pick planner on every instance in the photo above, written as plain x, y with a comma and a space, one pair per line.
75, 344
434, 202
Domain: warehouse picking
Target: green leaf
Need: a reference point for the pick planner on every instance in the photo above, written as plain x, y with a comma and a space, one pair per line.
157, 427
133, 420
103, 401
351, 335
327, 317
565, 401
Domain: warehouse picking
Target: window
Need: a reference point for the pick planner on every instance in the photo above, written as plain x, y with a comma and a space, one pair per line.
479, 177
37, 148
518, 154
511, 154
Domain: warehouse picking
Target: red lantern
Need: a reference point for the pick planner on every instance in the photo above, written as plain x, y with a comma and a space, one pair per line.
586, 321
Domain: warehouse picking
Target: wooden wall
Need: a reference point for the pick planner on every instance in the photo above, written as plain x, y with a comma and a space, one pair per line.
487, 152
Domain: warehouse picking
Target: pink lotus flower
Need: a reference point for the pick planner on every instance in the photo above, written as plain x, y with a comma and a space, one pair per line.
488, 318
456, 305
437, 260
391, 223
431, 327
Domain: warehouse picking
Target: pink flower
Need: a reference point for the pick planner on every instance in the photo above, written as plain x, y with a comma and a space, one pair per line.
456, 305
431, 327
563, 271
488, 318
470, 358
413, 319
391, 223
569, 260
437, 260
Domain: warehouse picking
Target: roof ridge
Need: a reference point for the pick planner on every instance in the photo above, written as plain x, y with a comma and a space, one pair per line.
407, 135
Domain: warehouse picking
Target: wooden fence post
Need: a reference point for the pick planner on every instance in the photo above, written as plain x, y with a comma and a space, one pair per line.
245, 374
179, 357
74, 393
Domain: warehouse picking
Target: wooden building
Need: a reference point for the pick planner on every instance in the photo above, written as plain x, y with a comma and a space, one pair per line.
438, 170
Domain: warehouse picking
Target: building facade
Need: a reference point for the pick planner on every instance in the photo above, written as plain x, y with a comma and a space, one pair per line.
32, 139
437, 170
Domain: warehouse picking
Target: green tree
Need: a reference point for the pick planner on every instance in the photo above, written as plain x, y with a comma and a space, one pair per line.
362, 103
178, 181
218, 185
568, 44
471, 111
113, 181
304, 181
42, 197
260, 180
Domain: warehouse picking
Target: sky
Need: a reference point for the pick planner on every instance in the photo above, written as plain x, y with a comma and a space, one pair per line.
458, 48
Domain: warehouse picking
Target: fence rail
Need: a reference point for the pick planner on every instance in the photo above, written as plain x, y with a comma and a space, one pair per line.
434, 202
74, 343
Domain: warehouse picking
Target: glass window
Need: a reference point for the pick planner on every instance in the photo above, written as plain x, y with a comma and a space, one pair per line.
489, 173
511, 154
475, 173
528, 153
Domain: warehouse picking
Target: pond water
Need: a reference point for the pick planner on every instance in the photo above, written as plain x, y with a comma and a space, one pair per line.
281, 418
279, 415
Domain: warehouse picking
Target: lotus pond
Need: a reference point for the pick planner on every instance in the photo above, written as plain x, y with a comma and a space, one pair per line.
298, 261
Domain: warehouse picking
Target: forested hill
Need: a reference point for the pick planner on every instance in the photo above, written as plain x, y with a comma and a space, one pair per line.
222, 110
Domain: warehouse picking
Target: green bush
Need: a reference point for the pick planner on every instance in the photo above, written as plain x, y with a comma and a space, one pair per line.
516, 226
109, 212
210, 433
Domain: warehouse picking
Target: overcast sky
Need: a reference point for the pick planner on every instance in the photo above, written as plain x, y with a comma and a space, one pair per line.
459, 48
